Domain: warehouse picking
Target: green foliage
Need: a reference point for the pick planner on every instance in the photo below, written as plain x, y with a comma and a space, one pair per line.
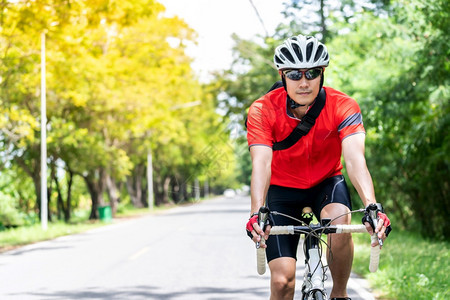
119, 85
406, 108
9, 214
411, 267
250, 77
392, 57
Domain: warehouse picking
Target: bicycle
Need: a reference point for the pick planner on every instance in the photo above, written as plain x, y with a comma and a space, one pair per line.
313, 287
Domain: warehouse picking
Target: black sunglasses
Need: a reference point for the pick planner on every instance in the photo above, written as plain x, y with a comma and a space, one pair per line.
295, 74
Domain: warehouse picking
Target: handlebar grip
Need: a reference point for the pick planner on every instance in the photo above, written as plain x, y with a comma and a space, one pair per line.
261, 259
374, 254
263, 214
276, 230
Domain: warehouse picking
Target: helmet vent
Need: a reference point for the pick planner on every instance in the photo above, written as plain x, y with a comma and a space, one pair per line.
297, 52
301, 52
309, 49
288, 55
318, 53
278, 60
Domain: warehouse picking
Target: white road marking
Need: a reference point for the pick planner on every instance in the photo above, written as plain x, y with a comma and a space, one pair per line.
139, 253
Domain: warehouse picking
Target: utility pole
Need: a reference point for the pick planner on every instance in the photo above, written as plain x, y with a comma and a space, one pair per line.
44, 202
150, 179
197, 189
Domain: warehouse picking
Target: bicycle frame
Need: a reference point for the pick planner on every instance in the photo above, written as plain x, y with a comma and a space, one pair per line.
314, 276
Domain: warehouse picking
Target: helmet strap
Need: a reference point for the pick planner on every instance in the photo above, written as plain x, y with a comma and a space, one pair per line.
291, 102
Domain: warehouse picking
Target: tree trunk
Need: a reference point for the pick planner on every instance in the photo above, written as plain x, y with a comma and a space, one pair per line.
323, 25
113, 193
95, 185
158, 190
166, 187
175, 191
68, 208
59, 200
134, 186
34, 172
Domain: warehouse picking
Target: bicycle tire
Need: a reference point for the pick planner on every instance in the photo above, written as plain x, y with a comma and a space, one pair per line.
318, 295
315, 295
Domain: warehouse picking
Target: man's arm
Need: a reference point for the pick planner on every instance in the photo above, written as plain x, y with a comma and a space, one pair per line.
261, 173
355, 162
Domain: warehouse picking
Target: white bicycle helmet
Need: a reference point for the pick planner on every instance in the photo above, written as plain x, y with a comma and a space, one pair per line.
301, 52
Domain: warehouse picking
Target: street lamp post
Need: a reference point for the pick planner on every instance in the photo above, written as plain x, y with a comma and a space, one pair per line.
44, 203
150, 162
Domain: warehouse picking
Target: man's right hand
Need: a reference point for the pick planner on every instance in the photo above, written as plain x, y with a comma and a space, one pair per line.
255, 232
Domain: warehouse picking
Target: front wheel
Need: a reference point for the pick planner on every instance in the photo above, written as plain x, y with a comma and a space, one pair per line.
314, 295
318, 296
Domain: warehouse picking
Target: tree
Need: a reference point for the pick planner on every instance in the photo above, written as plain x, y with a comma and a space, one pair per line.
406, 111
392, 57
115, 72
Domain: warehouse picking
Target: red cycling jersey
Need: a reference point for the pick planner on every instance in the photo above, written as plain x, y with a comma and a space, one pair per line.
315, 156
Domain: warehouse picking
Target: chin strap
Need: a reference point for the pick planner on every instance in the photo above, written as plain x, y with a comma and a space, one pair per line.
294, 104
291, 102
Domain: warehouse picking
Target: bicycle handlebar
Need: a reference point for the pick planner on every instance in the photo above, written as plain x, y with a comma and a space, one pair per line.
291, 229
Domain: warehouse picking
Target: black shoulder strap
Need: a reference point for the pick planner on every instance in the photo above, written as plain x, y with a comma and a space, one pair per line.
276, 85
305, 124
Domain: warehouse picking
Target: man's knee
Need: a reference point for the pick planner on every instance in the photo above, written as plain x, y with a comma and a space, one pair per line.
337, 212
282, 275
283, 283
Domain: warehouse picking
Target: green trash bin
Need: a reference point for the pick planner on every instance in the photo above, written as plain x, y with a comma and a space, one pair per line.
105, 213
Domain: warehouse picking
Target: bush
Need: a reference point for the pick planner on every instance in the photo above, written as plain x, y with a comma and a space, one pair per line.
10, 216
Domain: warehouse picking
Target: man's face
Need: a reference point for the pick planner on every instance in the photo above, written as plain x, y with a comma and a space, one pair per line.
304, 90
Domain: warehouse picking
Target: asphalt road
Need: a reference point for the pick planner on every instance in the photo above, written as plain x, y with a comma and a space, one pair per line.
192, 252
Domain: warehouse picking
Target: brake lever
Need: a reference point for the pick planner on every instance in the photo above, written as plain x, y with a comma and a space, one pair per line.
373, 210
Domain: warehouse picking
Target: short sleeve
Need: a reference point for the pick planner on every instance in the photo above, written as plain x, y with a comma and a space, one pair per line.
349, 118
259, 131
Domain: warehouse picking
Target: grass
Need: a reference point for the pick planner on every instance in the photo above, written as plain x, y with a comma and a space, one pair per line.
411, 267
11, 238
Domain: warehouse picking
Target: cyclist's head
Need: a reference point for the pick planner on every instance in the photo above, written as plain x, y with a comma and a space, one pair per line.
301, 52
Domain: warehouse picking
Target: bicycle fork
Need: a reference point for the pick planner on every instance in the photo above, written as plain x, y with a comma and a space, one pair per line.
313, 280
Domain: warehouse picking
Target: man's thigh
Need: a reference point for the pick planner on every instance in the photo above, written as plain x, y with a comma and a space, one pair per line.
283, 268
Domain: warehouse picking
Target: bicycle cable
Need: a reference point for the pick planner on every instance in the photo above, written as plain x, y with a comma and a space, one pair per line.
317, 233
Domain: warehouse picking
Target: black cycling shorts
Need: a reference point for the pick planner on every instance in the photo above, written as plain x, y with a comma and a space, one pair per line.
291, 201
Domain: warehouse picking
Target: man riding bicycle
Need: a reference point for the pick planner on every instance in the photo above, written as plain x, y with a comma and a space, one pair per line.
308, 172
